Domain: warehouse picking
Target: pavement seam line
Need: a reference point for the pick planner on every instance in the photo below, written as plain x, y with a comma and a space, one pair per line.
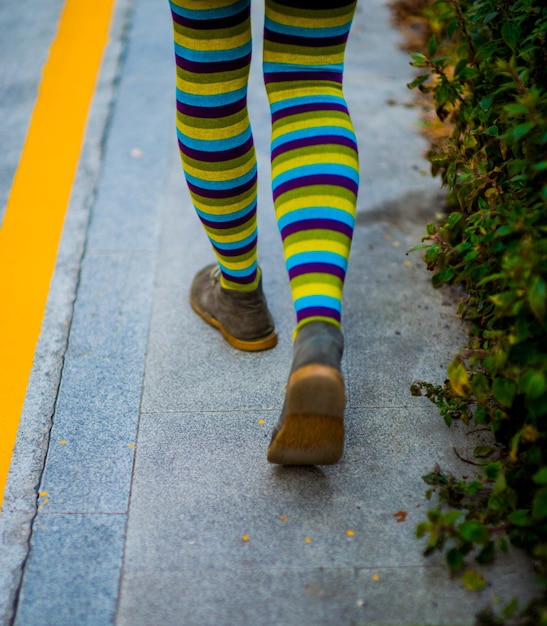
39, 197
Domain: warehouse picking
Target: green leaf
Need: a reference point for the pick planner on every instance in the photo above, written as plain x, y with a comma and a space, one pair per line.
514, 108
504, 391
453, 219
510, 33
432, 46
537, 298
435, 478
473, 580
490, 17
458, 377
442, 277
486, 102
419, 80
486, 555
540, 477
480, 386
473, 531
539, 509
419, 60
454, 559
481, 452
520, 517
519, 131
492, 470
451, 28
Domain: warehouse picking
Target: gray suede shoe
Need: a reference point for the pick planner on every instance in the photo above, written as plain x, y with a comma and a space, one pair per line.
242, 317
310, 430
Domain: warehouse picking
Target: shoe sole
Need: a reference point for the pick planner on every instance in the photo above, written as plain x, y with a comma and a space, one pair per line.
255, 345
312, 432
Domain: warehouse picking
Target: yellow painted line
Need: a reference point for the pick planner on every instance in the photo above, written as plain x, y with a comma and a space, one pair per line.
39, 197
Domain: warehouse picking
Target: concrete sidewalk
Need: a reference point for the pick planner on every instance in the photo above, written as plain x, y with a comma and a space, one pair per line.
146, 434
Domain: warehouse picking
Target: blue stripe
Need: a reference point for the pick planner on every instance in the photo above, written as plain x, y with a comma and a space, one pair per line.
209, 14
248, 271
302, 258
270, 68
298, 31
235, 244
293, 102
209, 56
216, 100
311, 213
308, 302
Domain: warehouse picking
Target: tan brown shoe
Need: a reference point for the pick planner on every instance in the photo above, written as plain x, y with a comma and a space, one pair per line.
242, 317
310, 430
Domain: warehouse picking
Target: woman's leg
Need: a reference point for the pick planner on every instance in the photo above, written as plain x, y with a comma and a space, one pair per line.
213, 55
315, 178
315, 170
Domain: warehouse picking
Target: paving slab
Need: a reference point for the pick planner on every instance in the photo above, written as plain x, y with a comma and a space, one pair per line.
140, 492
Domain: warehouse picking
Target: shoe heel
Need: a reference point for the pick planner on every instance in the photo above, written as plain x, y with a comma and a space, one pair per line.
313, 428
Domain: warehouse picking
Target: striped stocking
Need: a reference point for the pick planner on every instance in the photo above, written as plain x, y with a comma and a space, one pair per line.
315, 170
213, 55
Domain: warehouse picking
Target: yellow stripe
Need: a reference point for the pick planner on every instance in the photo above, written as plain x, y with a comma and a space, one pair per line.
290, 58
211, 43
313, 21
208, 134
335, 202
278, 92
316, 287
211, 89
39, 196
315, 246
219, 175
313, 123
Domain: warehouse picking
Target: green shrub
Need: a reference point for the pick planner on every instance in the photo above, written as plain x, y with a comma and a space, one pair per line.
485, 69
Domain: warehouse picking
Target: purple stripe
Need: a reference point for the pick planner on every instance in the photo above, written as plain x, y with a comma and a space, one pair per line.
214, 66
211, 112
316, 179
292, 77
237, 251
229, 224
212, 24
317, 268
312, 42
222, 193
241, 280
318, 311
320, 140
308, 108
316, 224
220, 155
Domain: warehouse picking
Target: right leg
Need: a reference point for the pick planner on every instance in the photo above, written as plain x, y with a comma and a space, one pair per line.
315, 177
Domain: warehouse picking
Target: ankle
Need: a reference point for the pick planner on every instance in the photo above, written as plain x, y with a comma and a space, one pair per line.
319, 343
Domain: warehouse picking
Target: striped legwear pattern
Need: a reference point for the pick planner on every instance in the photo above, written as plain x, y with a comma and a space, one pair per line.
314, 151
315, 170
213, 55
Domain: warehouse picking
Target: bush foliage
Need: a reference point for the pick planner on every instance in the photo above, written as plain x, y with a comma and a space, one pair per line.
484, 67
